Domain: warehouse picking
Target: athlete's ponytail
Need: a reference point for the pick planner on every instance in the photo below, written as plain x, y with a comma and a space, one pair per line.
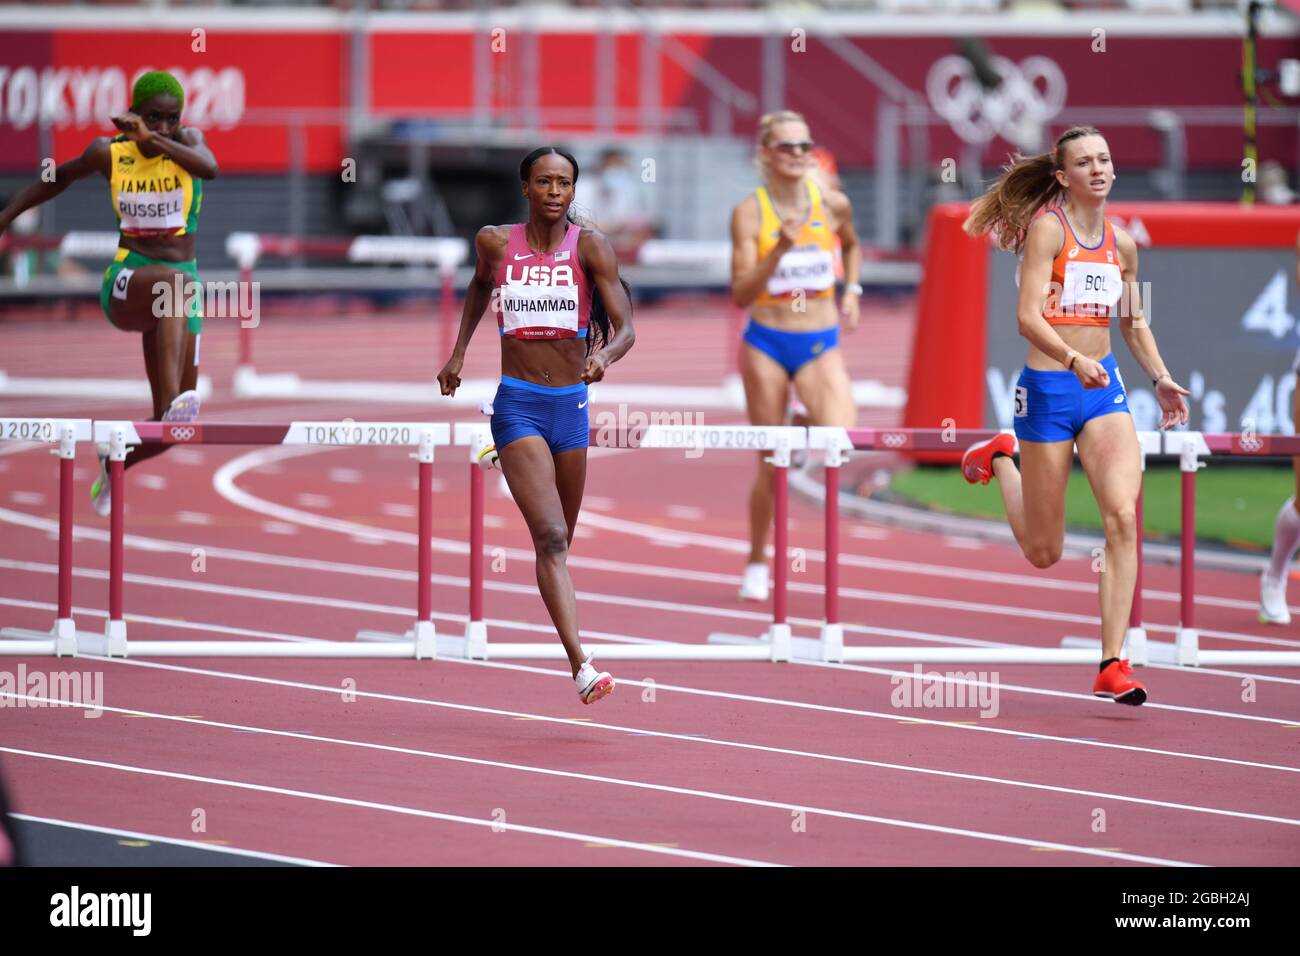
1026, 185
598, 334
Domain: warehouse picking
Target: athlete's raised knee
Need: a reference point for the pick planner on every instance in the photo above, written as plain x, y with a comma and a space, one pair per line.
1043, 555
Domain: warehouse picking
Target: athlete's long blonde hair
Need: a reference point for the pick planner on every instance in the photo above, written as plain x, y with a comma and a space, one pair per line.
1026, 185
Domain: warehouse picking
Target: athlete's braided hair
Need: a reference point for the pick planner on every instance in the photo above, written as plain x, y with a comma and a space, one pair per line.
156, 83
1027, 184
599, 319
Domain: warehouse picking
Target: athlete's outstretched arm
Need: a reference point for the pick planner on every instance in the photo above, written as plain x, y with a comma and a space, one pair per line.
1041, 247
1137, 333
94, 160
489, 245
597, 258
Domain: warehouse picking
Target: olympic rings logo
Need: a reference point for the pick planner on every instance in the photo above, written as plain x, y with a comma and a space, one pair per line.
1028, 96
893, 439
181, 433
1250, 443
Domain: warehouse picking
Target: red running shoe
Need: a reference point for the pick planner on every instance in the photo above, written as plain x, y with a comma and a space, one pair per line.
1116, 682
977, 463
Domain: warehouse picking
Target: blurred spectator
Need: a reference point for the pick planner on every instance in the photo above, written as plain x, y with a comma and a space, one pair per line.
1273, 188
614, 196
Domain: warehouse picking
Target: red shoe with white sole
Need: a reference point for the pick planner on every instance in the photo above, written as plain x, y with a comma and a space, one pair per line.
977, 463
1116, 683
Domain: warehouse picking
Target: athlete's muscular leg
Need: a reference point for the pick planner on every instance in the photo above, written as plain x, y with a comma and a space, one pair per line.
530, 471
766, 389
1034, 498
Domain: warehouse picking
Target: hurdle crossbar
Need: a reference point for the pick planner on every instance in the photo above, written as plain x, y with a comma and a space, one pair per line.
694, 440
247, 249
1188, 447
419, 642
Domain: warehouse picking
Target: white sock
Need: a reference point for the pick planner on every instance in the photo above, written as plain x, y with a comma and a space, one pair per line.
1286, 539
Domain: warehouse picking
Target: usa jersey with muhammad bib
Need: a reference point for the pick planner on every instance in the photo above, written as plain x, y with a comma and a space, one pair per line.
542, 295
152, 195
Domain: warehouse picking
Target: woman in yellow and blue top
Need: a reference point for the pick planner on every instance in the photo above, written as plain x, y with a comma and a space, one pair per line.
155, 171
783, 269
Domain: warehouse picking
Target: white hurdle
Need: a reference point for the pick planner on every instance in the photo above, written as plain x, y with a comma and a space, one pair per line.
419, 642
61, 639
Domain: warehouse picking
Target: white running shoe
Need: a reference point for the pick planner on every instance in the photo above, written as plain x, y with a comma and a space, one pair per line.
99, 491
184, 407
754, 587
593, 685
1272, 600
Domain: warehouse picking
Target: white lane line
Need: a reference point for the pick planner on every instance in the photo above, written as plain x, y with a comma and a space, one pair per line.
668, 788
493, 521
891, 564
598, 503
686, 512
344, 476
172, 841
940, 678
309, 500
193, 517
279, 527
397, 510
855, 761
224, 484
187, 456
867, 533
164, 545
493, 623
963, 544
799, 705
366, 539
460, 583
152, 482
494, 824
27, 498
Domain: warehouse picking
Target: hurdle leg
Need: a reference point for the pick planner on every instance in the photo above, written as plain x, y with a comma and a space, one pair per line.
1188, 640
113, 643
422, 636
476, 646
426, 642
1135, 638
832, 636
778, 634
63, 635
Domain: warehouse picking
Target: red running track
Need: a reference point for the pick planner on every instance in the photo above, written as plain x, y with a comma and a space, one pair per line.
452, 762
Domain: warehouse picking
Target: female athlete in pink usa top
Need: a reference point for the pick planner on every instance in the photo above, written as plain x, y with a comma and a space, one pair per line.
555, 287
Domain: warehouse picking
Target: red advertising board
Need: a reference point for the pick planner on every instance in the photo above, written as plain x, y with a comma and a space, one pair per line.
241, 90
248, 89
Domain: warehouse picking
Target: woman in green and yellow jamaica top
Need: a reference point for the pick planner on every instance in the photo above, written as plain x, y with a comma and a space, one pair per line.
155, 171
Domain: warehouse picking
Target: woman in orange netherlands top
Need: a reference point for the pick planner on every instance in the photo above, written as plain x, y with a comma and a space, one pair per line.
1077, 268
783, 269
